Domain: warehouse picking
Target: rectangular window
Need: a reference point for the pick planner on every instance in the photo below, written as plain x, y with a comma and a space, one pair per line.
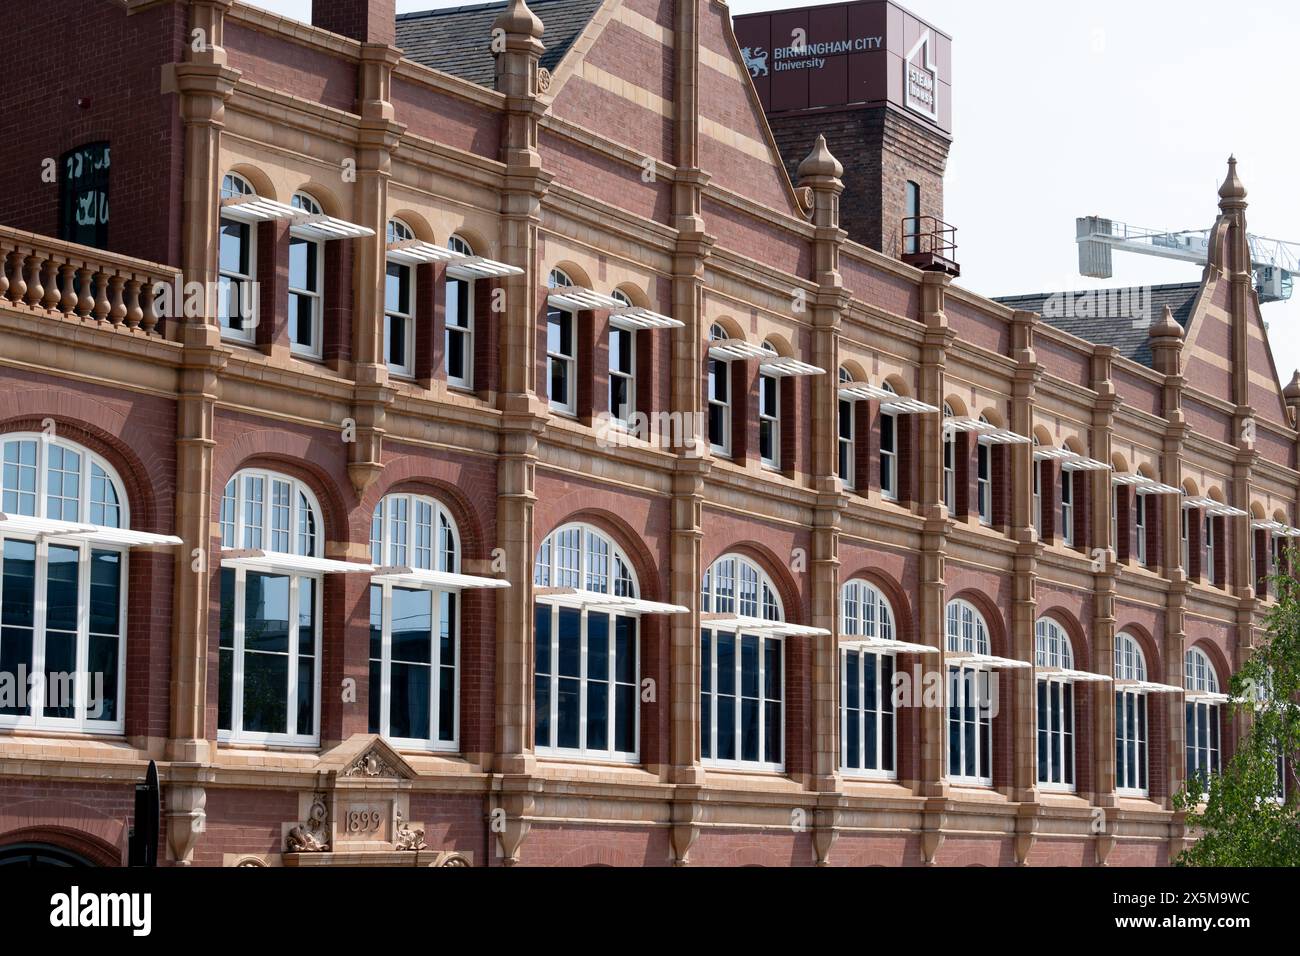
83, 195
720, 407
414, 644
846, 426
1131, 742
769, 420
460, 333
1056, 734
888, 457
586, 670
970, 725
1202, 740
741, 700
1067, 508
560, 361
622, 375
399, 320
305, 262
984, 483
1209, 550
912, 212
236, 288
1037, 470
1114, 520
1140, 521
949, 474
270, 643
867, 714
1186, 543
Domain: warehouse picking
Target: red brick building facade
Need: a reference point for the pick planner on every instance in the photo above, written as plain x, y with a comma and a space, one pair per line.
567, 486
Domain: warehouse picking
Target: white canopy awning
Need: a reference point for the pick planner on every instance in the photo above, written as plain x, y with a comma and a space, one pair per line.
635, 319
732, 622
1003, 436
886, 646
956, 425
1080, 463
423, 577
82, 530
988, 660
575, 597
477, 267
727, 351
1143, 485
572, 298
1073, 676
1214, 508
907, 406
863, 392
254, 559
415, 252
302, 223
1207, 697
1277, 528
788, 367
1147, 687
1054, 454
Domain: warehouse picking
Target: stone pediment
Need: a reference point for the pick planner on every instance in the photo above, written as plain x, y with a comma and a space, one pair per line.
365, 757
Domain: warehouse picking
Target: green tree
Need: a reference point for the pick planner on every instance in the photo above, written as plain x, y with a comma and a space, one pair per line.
1242, 821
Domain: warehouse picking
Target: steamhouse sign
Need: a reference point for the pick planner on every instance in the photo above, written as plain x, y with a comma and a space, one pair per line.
921, 79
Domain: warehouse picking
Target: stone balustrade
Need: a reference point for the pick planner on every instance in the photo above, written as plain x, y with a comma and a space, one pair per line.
64, 280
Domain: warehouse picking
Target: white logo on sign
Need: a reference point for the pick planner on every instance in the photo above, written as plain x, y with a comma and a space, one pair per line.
755, 60
921, 79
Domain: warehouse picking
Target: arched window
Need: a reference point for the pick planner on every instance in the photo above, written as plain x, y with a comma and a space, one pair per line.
769, 415
414, 628
1203, 715
237, 263
847, 427
460, 323
306, 280
970, 700
62, 597
1052, 650
742, 711
268, 670
949, 463
587, 656
719, 397
867, 725
622, 369
399, 306
561, 351
1131, 738
888, 451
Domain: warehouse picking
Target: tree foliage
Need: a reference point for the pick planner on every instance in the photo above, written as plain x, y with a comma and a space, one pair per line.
1243, 820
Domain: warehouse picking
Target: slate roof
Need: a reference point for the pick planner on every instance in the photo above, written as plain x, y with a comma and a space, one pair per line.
457, 40
1106, 317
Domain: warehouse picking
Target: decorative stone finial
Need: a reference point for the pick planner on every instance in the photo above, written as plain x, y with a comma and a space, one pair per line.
1166, 327
516, 18
820, 162
1233, 189
1292, 392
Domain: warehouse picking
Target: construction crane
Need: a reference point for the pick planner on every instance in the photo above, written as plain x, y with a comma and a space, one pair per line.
1276, 263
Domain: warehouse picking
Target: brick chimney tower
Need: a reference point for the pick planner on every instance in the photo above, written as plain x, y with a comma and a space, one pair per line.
369, 21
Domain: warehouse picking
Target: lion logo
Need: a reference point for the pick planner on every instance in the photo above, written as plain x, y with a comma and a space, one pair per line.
755, 60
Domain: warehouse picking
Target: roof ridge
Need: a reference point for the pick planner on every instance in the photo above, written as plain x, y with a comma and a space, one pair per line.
466, 8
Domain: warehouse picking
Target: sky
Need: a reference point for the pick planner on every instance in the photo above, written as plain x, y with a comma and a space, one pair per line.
1116, 108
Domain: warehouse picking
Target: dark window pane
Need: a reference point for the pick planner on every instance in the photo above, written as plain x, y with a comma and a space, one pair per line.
597, 715
18, 590
597, 646
105, 592
376, 675
446, 703
225, 685
749, 666
103, 661
266, 692
306, 695
625, 718
625, 648
749, 729
60, 673
570, 658
542, 709
408, 710
412, 626
266, 613
568, 716
541, 639
61, 589
376, 624
772, 732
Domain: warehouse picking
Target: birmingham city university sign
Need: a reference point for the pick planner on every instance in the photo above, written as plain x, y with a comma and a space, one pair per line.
872, 52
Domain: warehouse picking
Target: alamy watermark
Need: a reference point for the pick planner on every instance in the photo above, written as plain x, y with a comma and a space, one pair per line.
1133, 303
44, 690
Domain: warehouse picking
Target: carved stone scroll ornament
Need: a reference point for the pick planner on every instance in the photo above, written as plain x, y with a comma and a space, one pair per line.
407, 838
371, 764
312, 836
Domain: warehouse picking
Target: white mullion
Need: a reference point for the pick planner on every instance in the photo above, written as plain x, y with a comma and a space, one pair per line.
611, 728
385, 658
291, 705
318, 625
555, 677
435, 663
862, 698
237, 676
713, 697
36, 704
455, 674
582, 680
844, 710
81, 650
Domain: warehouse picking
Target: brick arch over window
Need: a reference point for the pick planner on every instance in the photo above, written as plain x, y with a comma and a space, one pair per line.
94, 851
1150, 648
404, 477
900, 603
644, 567
999, 644
300, 456
82, 829
261, 183
1080, 645
786, 590
1218, 662
135, 478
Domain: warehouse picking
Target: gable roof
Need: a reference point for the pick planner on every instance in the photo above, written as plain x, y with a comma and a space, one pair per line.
457, 40
1102, 317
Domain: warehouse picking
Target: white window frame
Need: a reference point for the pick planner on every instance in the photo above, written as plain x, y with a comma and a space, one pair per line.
568, 557
1140, 527
234, 186
310, 206
1208, 525
1130, 664
771, 419
888, 456
1067, 508
723, 403
967, 633
397, 515
569, 362
86, 479
1185, 541
1036, 469
984, 479
1202, 754
466, 332
628, 375
1055, 731
238, 532
765, 604
399, 231
949, 464
866, 612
